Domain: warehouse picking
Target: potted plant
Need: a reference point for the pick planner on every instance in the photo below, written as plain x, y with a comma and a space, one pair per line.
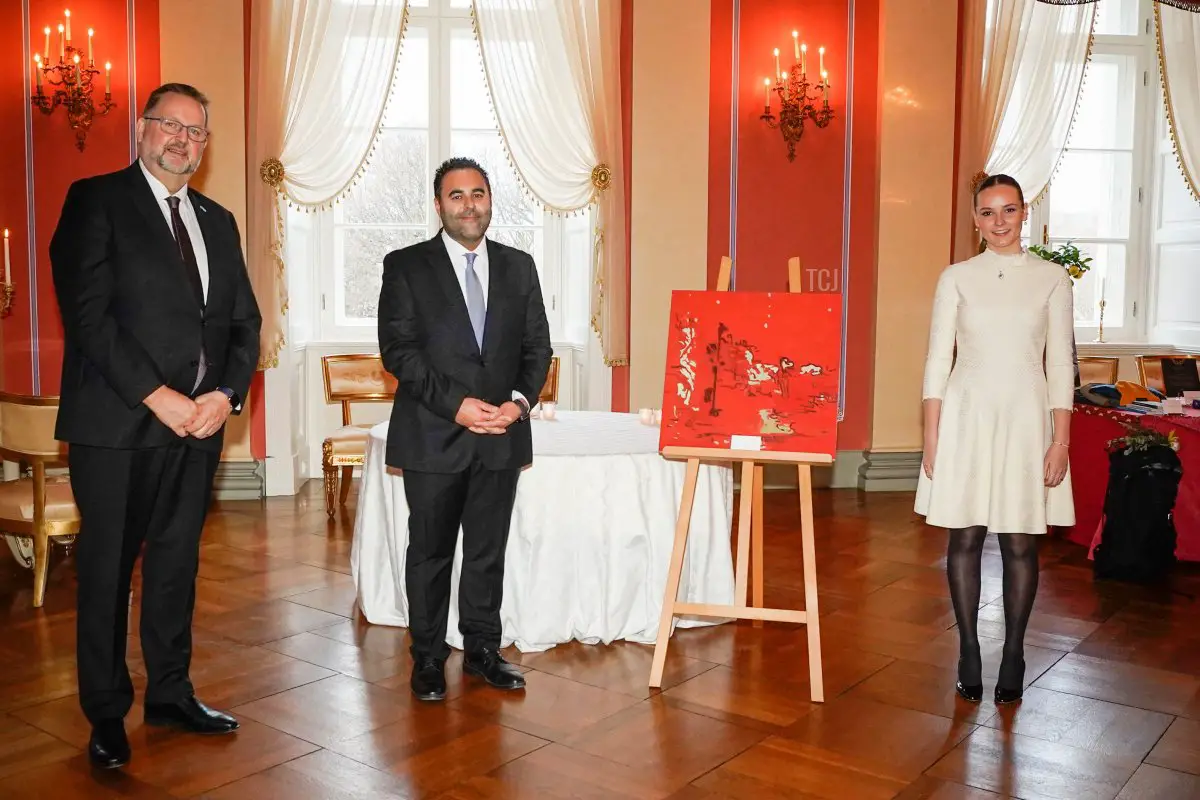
1076, 264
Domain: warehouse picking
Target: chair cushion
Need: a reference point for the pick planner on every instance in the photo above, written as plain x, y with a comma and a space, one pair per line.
350, 440
16, 499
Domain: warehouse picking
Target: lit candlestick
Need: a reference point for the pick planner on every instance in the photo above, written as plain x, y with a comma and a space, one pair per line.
7, 276
1102, 289
822, 52
67, 13
776, 63
37, 70
62, 43
794, 40
92, 60
804, 59
107, 78
825, 86
46, 51
767, 85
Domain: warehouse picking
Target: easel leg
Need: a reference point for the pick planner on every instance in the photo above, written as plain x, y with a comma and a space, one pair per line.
756, 544
671, 594
811, 612
745, 512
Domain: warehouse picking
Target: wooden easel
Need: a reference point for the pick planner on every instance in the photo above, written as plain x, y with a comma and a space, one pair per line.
750, 534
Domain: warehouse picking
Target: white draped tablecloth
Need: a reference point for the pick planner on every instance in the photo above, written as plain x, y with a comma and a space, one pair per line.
590, 541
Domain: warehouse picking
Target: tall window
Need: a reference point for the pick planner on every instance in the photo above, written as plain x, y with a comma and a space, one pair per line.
1099, 195
439, 108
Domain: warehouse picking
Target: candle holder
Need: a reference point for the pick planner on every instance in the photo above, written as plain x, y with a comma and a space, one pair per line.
72, 80
795, 104
1100, 333
6, 301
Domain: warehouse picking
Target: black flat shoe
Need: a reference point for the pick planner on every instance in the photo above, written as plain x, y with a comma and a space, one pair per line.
491, 666
428, 680
190, 715
108, 748
1009, 685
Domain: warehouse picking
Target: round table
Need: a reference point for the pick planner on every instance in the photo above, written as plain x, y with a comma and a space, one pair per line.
590, 543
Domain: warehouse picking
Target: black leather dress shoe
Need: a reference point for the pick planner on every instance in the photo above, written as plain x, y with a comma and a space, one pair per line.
971, 692
108, 747
428, 680
190, 715
1009, 685
491, 666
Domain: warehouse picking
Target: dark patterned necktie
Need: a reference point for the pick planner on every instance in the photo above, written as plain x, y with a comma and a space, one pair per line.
185, 249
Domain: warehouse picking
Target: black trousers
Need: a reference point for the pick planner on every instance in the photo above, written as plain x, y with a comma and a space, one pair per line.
481, 502
157, 497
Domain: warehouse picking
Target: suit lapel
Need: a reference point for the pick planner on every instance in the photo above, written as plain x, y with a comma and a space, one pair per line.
443, 272
160, 230
214, 242
497, 302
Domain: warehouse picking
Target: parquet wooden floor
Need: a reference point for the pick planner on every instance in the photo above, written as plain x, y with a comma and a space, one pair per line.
1112, 709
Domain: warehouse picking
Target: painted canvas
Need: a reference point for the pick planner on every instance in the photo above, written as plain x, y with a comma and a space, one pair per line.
752, 364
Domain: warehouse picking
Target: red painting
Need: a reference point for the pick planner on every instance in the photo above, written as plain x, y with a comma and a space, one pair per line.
761, 365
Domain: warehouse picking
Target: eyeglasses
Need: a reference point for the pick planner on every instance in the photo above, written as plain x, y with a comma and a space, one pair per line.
172, 128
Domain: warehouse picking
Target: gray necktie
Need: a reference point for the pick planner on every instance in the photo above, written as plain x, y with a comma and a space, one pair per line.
476, 306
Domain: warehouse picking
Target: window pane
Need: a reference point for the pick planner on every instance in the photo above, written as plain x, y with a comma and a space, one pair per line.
1105, 114
1117, 17
409, 104
460, 3
362, 252
576, 274
470, 105
396, 186
510, 205
1090, 197
1108, 275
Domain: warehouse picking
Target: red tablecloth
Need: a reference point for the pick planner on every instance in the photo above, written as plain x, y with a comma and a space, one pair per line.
1091, 428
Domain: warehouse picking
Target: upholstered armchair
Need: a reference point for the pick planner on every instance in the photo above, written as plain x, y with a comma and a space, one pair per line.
349, 379
38, 508
1098, 369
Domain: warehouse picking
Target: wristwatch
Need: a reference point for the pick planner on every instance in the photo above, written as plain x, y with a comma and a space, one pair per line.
523, 404
235, 402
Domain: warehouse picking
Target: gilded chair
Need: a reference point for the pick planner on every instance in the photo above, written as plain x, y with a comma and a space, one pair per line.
349, 379
1150, 372
37, 508
1098, 369
549, 393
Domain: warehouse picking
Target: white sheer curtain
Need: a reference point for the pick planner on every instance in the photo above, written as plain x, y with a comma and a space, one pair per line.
553, 72
1179, 48
1027, 60
322, 71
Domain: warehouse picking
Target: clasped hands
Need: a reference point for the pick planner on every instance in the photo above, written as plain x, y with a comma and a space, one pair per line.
200, 418
485, 418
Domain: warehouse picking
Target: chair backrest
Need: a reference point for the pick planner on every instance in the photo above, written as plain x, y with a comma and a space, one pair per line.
1150, 369
549, 393
27, 428
356, 378
1098, 369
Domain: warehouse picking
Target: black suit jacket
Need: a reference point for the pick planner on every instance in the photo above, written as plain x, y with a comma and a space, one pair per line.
426, 340
131, 320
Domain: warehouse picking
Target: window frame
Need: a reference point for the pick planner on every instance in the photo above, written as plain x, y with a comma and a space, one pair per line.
443, 22
1139, 244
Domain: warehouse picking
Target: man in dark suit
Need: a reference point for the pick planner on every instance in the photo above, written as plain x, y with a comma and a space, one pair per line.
463, 328
161, 330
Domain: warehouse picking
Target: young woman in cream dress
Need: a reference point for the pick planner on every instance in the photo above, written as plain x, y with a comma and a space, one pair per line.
999, 385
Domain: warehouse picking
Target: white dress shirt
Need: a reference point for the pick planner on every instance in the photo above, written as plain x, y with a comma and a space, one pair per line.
458, 260
188, 213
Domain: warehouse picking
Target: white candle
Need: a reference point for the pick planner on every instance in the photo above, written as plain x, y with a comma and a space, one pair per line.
1102, 288
62, 44
767, 84
107, 78
803, 59
91, 59
46, 52
67, 13
37, 70
7, 276
822, 52
794, 40
825, 86
776, 63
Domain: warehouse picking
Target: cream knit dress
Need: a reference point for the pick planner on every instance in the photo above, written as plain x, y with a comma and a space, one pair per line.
1004, 313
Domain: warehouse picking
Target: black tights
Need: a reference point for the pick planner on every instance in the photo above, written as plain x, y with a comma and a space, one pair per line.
1020, 557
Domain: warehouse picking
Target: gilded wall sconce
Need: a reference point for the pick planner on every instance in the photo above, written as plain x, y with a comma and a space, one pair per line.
795, 103
71, 80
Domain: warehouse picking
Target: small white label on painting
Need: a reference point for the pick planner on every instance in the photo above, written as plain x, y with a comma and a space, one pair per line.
745, 442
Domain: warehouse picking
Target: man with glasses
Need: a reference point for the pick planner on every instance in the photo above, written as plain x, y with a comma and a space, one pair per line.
161, 341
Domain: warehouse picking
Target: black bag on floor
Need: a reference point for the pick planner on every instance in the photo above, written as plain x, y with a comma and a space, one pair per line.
1137, 543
